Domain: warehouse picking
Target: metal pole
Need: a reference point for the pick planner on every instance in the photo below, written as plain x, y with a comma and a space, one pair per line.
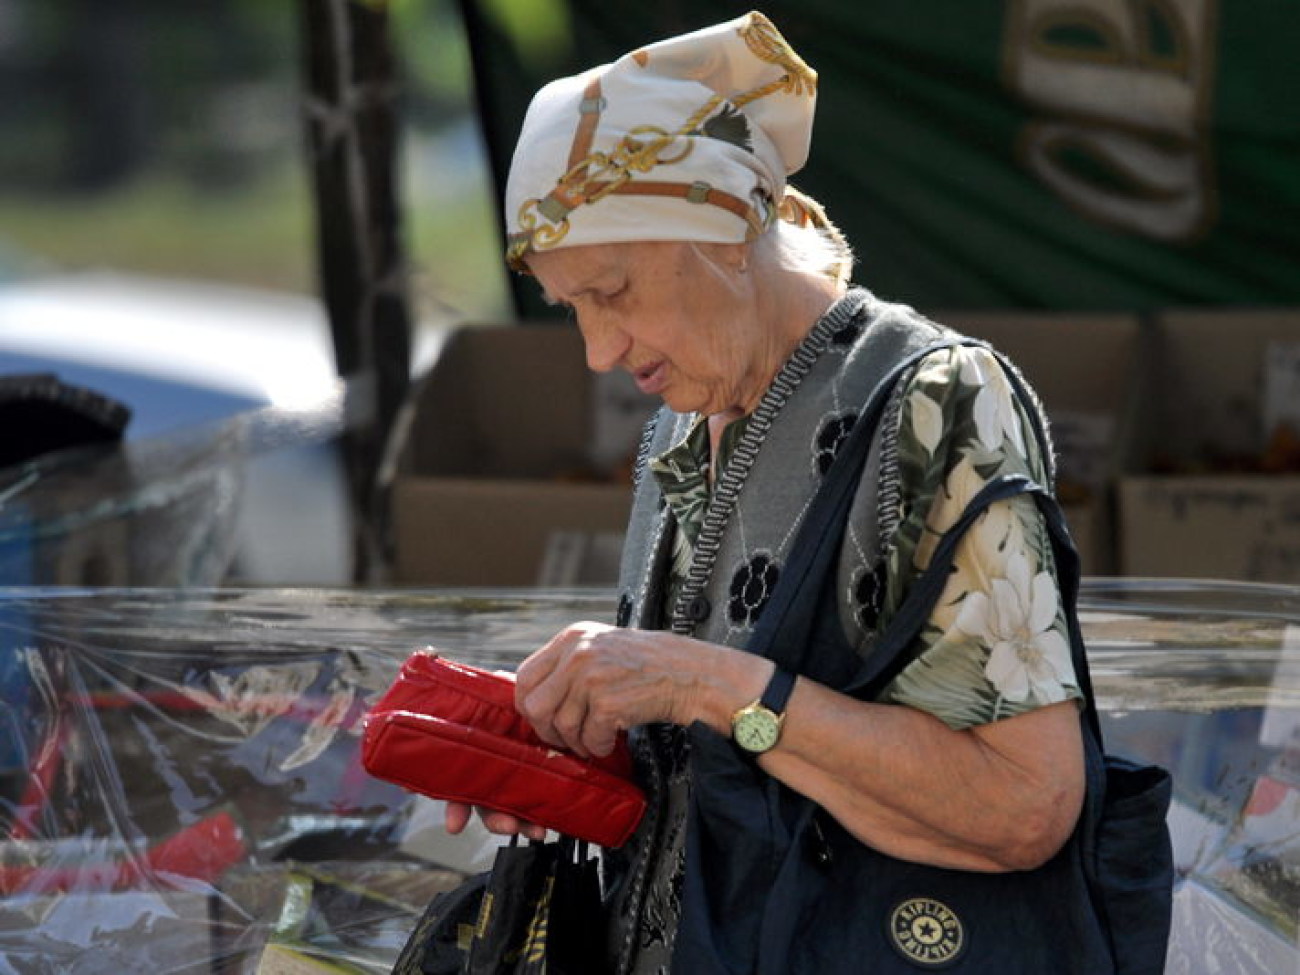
351, 113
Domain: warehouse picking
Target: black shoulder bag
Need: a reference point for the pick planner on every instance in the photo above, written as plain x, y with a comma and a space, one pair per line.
773, 885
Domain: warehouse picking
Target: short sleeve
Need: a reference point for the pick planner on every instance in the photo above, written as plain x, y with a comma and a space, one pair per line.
996, 644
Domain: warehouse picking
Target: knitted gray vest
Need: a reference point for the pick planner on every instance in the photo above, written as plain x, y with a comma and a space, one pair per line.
760, 497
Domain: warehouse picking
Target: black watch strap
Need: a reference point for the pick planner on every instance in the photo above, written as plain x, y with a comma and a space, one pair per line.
777, 693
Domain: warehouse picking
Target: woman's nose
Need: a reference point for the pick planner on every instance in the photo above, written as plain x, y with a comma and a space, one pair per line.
605, 342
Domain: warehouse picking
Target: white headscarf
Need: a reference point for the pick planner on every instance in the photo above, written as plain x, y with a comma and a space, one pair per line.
691, 138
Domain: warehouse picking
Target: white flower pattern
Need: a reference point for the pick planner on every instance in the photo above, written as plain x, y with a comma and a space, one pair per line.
1029, 658
995, 644
978, 562
927, 421
995, 406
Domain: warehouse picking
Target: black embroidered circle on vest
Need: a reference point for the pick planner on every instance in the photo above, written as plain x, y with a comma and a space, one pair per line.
623, 615
869, 595
751, 588
830, 438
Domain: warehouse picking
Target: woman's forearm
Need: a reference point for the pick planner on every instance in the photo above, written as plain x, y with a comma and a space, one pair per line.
1002, 796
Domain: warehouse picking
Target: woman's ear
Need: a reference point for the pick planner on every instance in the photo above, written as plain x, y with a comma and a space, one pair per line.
726, 261
734, 256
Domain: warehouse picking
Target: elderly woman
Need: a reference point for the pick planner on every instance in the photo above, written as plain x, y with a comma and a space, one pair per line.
648, 198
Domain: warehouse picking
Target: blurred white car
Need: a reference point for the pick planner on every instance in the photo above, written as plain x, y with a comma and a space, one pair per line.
234, 383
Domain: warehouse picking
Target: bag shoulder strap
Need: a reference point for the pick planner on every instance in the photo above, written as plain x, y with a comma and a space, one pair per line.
888, 657
817, 541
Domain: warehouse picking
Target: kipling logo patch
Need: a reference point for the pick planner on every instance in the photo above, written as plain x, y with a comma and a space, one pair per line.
926, 932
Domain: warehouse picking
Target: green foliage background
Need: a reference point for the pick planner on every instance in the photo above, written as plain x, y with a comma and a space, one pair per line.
215, 178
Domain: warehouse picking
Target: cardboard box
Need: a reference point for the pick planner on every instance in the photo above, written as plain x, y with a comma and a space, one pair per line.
1083, 367
1211, 380
1211, 527
1196, 505
512, 462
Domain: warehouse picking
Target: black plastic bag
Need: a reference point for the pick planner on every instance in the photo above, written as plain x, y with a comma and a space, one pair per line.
538, 911
440, 940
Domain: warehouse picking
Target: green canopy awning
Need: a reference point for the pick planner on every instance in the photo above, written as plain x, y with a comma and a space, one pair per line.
1075, 154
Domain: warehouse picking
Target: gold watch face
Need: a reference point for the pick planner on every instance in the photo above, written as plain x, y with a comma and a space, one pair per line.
756, 729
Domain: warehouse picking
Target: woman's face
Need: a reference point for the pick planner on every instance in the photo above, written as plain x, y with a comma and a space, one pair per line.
681, 318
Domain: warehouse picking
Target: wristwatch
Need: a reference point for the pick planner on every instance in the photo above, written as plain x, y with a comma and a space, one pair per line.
757, 726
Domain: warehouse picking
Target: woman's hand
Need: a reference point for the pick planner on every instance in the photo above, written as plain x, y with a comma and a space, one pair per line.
457, 817
592, 681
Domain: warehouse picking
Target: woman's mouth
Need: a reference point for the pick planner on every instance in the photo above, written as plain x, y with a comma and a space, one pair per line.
651, 379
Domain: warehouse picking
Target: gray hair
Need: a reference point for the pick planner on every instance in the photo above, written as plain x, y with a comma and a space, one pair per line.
805, 240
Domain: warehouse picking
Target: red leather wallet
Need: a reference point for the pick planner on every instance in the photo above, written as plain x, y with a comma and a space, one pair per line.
450, 730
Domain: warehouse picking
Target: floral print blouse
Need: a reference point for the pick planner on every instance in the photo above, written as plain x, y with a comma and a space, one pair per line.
996, 643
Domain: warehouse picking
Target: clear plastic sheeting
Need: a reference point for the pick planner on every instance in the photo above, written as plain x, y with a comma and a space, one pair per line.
167, 510
1205, 679
181, 791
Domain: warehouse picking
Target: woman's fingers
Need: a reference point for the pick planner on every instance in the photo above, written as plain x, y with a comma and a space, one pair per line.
457, 815
592, 681
549, 689
504, 824
540, 664
569, 722
580, 701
